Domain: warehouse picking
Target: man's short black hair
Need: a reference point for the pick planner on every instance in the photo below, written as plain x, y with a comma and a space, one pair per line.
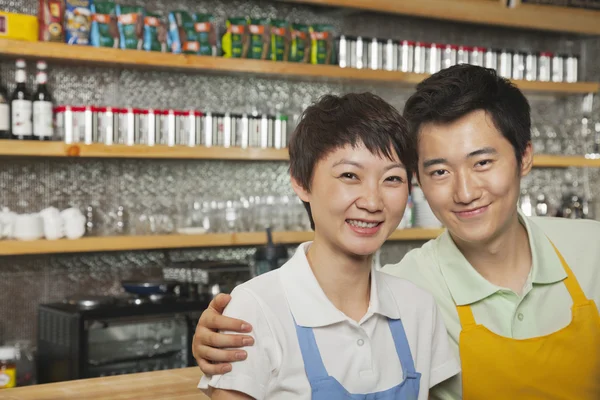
354, 119
456, 91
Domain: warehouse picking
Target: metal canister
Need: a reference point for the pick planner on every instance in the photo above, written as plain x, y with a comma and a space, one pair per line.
449, 55
434, 58
128, 122
266, 131
558, 68
242, 131
505, 64
218, 129
228, 130
343, 51
491, 59
390, 55
147, 128
78, 123
361, 52
421, 52
477, 56
161, 124
188, 124
231, 140
253, 130
172, 122
63, 121
375, 54
571, 68
462, 54
545, 66
518, 66
406, 56
107, 125
280, 132
531, 66
91, 124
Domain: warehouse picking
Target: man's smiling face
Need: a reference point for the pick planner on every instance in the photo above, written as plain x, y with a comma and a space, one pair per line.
470, 176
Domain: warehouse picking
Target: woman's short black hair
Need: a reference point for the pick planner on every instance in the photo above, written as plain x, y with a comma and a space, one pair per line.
353, 119
454, 92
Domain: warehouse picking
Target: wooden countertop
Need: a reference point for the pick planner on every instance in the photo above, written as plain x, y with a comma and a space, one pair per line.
176, 384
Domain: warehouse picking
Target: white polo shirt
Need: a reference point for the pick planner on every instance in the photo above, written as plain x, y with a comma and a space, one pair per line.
361, 356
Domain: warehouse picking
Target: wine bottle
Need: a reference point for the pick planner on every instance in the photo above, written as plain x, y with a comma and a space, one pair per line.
43, 128
21, 106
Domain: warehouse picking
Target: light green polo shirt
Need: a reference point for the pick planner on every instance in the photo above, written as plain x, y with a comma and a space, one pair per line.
545, 304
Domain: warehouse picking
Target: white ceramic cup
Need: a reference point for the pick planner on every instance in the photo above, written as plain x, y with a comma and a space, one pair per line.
73, 223
7, 222
53, 223
28, 227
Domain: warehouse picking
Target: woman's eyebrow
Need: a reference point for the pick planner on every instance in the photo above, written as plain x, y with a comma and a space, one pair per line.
348, 162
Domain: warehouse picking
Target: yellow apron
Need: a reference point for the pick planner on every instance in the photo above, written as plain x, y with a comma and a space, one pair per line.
563, 365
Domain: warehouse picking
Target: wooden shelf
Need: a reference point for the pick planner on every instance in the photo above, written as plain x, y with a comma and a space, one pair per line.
32, 148
128, 243
58, 149
550, 161
227, 66
525, 16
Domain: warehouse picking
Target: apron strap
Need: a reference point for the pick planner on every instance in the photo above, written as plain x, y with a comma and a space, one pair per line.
465, 315
402, 347
570, 282
313, 363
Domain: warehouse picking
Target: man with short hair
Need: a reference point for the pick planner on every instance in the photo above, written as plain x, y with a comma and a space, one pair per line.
519, 295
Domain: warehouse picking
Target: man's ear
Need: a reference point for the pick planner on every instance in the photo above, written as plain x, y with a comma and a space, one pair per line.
527, 160
300, 190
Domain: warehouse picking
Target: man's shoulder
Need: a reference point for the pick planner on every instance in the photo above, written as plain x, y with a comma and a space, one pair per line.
570, 232
420, 267
404, 289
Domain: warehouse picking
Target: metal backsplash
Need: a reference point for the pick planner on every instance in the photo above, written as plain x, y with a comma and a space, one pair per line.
139, 185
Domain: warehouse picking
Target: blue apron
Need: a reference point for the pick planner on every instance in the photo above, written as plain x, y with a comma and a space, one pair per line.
325, 387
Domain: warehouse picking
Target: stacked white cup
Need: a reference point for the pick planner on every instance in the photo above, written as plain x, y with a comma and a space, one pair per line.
424, 217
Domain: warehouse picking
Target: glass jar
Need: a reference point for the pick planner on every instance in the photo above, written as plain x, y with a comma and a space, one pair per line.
25, 362
8, 367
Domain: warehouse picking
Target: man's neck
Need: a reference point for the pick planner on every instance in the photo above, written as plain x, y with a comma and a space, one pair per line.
505, 260
344, 279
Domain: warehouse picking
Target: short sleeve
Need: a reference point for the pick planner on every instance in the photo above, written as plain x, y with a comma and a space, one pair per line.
444, 363
252, 375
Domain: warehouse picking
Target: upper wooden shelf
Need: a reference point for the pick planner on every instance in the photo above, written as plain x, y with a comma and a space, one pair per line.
58, 149
488, 12
128, 243
33, 148
231, 66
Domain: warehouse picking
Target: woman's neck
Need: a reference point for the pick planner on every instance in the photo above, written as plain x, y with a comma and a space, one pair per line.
345, 280
505, 260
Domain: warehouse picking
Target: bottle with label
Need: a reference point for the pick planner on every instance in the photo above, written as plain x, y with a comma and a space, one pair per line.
4, 113
8, 368
43, 128
21, 106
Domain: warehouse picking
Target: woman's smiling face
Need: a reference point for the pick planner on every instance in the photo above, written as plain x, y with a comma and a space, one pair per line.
357, 198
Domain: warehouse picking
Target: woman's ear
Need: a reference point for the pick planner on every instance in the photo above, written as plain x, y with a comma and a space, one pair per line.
300, 190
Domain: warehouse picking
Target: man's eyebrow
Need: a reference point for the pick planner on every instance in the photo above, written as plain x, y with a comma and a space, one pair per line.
482, 151
434, 161
478, 152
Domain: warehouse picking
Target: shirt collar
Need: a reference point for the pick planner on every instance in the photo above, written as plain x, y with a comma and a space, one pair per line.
309, 304
467, 286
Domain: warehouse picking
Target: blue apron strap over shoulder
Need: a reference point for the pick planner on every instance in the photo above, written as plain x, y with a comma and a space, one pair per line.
313, 363
402, 347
